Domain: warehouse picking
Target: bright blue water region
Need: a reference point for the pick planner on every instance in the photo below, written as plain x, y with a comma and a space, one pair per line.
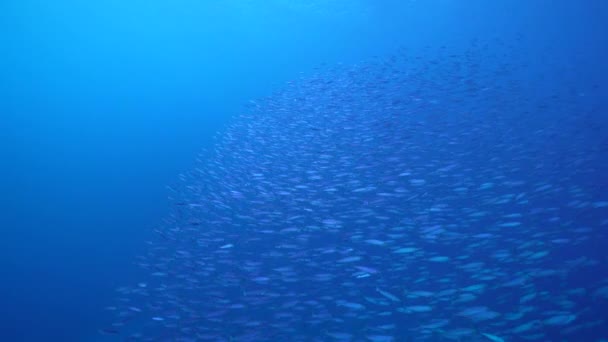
290, 170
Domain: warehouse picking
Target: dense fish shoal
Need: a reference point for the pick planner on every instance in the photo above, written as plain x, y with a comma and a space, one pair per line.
440, 197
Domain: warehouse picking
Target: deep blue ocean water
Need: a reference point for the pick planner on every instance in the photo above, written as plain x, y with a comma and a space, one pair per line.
103, 104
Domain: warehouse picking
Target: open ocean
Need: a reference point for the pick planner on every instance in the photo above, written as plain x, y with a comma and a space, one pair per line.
304, 170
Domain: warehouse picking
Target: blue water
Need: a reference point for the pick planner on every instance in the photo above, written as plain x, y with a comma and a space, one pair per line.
104, 103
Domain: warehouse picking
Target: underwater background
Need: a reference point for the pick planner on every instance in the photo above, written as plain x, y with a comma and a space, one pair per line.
106, 105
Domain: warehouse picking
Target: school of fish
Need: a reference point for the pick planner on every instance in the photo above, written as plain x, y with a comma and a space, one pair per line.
431, 197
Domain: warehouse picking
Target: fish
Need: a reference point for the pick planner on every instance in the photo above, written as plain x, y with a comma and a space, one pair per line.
402, 198
388, 295
492, 337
